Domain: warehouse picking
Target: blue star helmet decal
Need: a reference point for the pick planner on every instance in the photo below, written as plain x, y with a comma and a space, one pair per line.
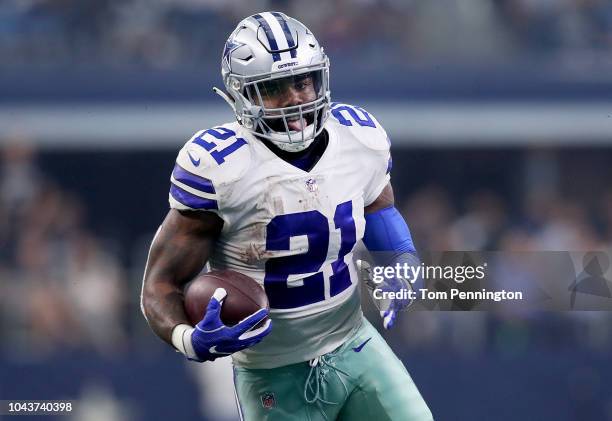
230, 46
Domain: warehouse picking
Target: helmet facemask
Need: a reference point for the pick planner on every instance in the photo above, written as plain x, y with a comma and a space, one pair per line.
288, 108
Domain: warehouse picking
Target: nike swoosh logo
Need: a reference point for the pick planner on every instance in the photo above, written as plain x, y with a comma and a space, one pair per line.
213, 350
193, 160
360, 347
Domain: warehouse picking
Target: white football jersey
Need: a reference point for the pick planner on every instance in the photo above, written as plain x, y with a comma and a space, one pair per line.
292, 231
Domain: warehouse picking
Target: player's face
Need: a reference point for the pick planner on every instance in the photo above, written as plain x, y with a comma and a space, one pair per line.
288, 92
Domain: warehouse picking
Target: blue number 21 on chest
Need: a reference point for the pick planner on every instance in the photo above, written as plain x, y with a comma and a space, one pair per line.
315, 226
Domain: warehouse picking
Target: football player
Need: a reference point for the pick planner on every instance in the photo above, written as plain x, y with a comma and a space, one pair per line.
282, 195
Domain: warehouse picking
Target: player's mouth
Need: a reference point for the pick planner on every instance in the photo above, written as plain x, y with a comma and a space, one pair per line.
296, 123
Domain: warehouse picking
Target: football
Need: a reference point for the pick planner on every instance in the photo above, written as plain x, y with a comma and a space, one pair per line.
244, 296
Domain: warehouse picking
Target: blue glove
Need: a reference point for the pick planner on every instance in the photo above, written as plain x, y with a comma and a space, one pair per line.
398, 304
388, 308
211, 339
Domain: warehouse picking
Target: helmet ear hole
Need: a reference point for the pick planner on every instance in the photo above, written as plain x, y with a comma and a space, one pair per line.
235, 84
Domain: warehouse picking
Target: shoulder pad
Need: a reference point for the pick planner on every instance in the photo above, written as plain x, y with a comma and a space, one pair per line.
362, 125
209, 161
219, 154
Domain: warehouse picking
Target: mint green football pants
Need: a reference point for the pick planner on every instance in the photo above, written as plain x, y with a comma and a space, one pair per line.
361, 380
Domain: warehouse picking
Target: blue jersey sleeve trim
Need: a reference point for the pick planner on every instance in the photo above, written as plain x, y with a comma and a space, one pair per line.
195, 181
191, 200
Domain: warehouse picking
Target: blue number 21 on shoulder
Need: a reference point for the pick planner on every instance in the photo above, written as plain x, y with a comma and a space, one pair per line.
338, 110
315, 226
220, 133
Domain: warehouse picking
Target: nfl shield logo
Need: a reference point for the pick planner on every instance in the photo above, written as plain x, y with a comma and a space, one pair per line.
311, 185
267, 400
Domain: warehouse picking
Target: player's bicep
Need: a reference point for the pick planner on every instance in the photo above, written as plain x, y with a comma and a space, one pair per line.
182, 246
380, 177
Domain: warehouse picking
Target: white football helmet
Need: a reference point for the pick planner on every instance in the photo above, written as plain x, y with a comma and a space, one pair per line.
267, 53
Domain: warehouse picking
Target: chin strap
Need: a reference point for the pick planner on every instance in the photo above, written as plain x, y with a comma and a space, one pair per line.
225, 97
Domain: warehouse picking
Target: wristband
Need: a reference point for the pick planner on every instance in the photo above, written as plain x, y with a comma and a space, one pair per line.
181, 339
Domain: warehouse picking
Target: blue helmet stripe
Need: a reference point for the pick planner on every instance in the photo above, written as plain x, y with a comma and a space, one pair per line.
271, 40
191, 200
290, 41
189, 179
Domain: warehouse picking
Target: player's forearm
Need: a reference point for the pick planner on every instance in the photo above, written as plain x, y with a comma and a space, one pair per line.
178, 253
388, 237
162, 305
165, 275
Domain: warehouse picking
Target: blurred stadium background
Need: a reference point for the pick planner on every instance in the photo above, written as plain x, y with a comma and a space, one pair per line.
500, 115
